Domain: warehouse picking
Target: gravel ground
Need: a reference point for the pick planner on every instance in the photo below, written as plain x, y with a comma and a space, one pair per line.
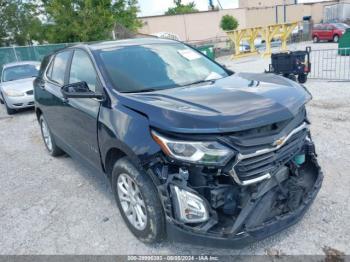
55, 206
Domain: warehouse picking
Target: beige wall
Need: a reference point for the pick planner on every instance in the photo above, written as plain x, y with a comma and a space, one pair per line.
192, 27
317, 11
206, 25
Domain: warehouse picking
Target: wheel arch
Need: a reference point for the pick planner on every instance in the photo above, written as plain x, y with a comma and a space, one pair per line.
112, 156
38, 113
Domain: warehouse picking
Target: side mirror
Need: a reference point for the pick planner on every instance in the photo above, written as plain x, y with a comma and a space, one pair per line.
79, 90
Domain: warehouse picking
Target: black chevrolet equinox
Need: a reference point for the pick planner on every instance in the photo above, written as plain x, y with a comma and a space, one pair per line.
194, 152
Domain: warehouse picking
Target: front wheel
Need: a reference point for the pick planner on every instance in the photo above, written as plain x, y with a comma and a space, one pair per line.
9, 111
290, 76
316, 39
49, 141
138, 202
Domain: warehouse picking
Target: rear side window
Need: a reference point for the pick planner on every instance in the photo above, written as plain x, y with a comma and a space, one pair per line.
58, 67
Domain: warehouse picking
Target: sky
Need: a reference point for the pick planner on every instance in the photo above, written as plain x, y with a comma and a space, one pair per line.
158, 7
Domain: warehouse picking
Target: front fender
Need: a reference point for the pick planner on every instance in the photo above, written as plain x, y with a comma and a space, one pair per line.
128, 131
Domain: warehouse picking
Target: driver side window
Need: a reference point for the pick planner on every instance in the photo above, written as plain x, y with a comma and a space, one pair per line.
82, 69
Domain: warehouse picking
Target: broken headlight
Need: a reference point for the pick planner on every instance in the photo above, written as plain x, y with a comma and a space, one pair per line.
207, 153
190, 208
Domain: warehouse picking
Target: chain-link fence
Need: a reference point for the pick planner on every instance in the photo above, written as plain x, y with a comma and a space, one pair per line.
26, 53
330, 64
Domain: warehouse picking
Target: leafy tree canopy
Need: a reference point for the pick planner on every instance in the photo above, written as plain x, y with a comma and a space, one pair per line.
181, 8
19, 23
228, 22
88, 20
24, 21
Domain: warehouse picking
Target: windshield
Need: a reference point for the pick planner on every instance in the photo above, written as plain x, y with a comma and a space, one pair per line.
158, 66
341, 26
19, 72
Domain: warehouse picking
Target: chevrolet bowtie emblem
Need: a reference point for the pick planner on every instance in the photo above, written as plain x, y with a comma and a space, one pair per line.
279, 142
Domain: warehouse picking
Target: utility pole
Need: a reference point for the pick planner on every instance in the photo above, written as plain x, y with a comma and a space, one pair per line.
211, 5
220, 4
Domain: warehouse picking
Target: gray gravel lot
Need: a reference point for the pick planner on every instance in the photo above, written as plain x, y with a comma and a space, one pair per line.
55, 206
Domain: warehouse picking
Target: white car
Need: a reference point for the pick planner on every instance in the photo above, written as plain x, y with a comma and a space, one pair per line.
16, 85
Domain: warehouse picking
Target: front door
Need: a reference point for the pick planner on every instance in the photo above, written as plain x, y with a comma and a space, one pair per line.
81, 114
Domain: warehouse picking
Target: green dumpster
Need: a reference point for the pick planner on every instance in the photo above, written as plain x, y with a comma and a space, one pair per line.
208, 50
344, 44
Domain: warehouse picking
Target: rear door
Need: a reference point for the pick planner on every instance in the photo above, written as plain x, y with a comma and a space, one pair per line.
81, 114
48, 93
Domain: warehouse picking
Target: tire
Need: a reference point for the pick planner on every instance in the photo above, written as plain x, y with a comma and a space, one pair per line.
302, 78
336, 38
9, 111
316, 39
290, 76
48, 139
148, 223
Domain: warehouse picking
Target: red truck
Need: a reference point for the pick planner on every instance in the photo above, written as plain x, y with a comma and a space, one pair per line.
329, 32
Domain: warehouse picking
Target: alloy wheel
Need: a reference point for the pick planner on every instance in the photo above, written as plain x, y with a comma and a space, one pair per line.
46, 135
132, 201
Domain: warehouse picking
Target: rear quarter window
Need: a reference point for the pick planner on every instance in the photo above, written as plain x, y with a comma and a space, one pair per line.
44, 64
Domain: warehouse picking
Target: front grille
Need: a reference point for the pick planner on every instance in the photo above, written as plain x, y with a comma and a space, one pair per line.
30, 92
249, 168
253, 140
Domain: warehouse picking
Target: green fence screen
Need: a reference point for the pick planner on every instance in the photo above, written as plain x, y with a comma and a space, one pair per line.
26, 53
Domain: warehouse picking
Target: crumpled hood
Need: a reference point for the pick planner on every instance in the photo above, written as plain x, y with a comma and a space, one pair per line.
22, 85
237, 102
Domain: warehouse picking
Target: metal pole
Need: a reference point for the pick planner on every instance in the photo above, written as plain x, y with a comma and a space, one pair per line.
14, 51
276, 14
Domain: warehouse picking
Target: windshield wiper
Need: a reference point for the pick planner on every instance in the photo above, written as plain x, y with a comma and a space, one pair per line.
143, 90
200, 82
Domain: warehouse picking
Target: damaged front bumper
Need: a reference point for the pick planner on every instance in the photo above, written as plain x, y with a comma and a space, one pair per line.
219, 209
177, 232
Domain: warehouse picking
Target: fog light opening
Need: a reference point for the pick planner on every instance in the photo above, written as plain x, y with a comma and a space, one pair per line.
189, 207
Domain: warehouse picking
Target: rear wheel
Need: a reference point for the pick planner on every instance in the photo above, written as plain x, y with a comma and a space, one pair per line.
49, 141
302, 78
138, 202
316, 39
336, 39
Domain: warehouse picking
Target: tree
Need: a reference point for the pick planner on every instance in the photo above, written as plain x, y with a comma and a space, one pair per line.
228, 23
19, 23
181, 8
88, 20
